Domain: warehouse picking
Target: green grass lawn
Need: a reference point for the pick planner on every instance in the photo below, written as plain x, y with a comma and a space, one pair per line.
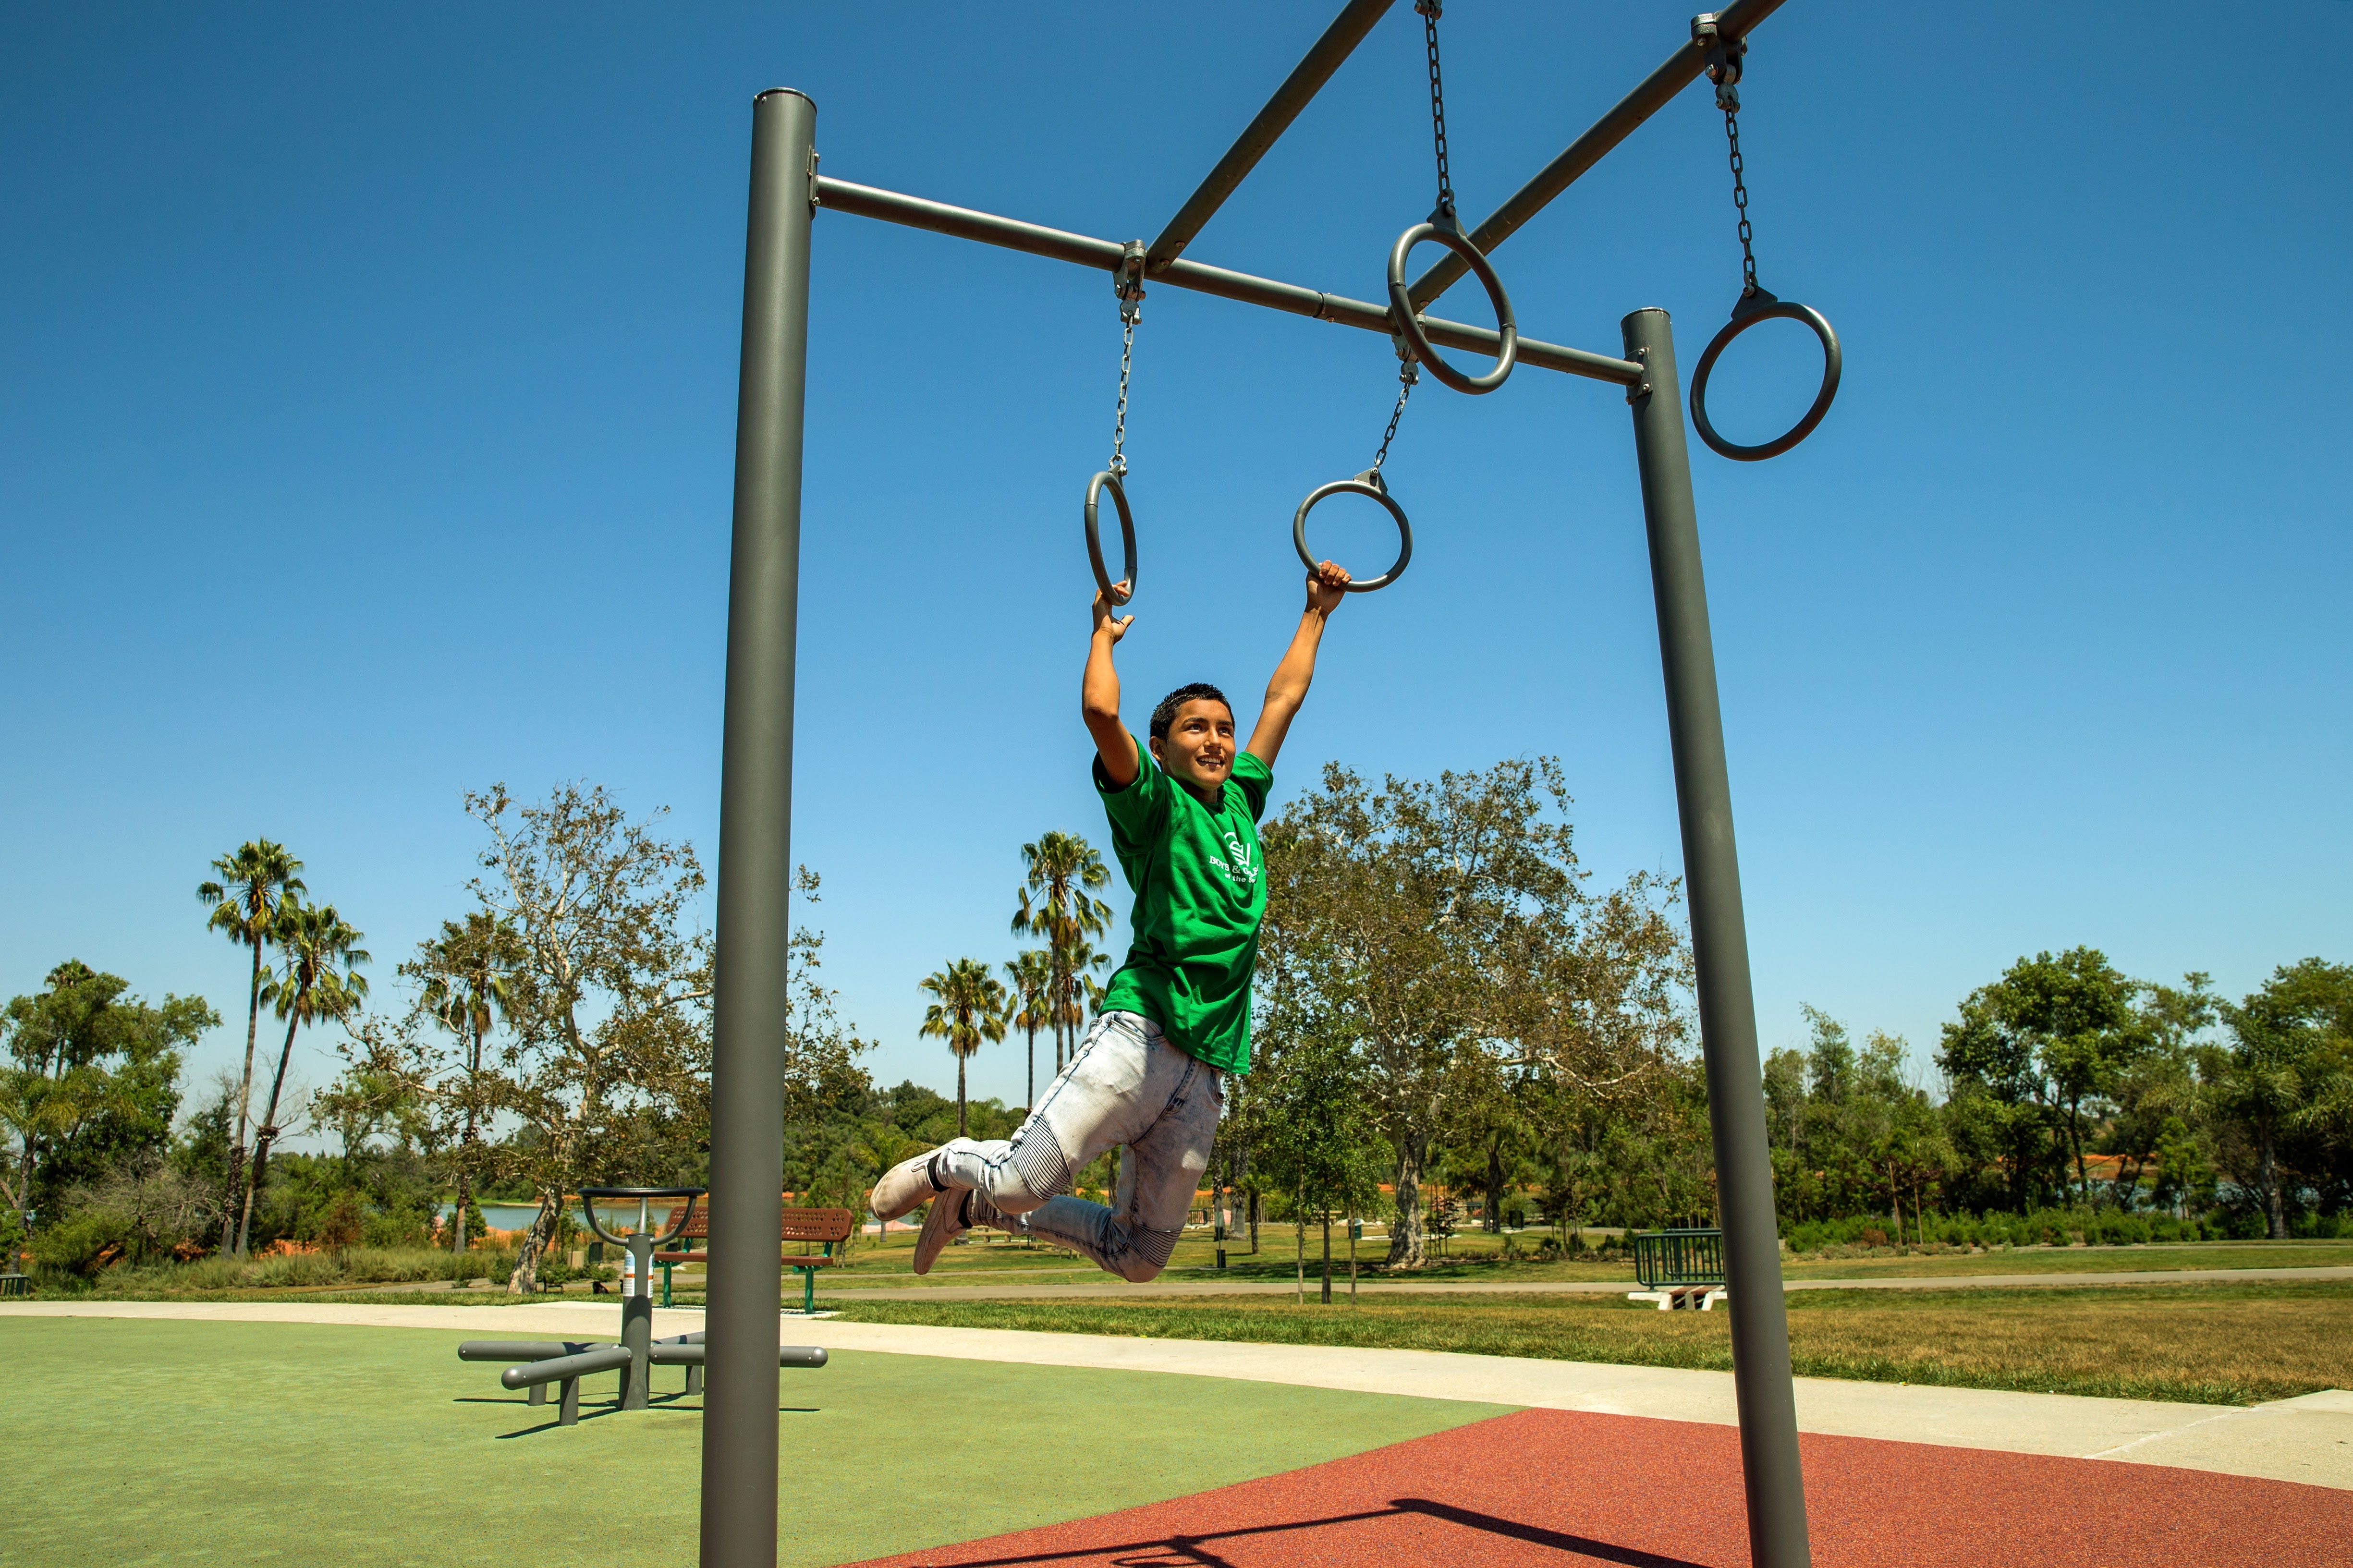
1475, 1256
160, 1442
2213, 1345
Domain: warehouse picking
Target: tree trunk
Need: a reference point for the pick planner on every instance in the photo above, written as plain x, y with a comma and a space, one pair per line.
1408, 1245
2075, 1141
1299, 1246
2267, 1177
1254, 1221
536, 1240
1032, 1091
960, 1130
244, 1103
1352, 1256
1327, 1258
465, 1171
1495, 1185
268, 1134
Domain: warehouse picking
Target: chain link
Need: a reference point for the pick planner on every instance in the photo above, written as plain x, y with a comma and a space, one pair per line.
1119, 421
1723, 68
1128, 282
1429, 10
1740, 202
1407, 373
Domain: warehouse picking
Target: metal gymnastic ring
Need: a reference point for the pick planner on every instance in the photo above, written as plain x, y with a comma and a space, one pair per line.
1107, 481
1364, 484
1401, 314
1751, 310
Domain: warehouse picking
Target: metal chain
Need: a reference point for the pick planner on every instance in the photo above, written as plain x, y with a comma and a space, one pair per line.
1429, 10
1723, 68
1119, 421
1407, 373
1740, 201
1128, 283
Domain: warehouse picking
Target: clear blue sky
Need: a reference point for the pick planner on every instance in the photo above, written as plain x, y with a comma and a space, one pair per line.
367, 406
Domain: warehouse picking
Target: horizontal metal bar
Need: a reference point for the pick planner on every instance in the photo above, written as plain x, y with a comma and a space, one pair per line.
1682, 69
671, 1353
1306, 78
559, 1369
964, 223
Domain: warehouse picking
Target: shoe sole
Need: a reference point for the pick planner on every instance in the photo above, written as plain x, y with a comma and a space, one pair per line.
940, 1222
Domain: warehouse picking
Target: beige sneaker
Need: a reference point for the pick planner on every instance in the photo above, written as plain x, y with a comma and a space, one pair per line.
906, 1187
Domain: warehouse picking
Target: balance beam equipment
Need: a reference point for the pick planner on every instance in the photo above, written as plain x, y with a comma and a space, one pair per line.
569, 1369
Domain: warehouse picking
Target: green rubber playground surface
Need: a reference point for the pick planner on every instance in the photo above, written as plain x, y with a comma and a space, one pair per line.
262, 1443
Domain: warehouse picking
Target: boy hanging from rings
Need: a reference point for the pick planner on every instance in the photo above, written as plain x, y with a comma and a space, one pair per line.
1148, 1079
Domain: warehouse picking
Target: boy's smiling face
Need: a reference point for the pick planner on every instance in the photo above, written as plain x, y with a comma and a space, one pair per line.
1198, 751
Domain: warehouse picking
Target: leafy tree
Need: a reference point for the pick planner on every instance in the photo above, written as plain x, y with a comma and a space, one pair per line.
1057, 906
91, 1082
1318, 1141
255, 879
1435, 924
2286, 1067
608, 998
971, 1007
1031, 979
2156, 1129
2040, 1049
321, 980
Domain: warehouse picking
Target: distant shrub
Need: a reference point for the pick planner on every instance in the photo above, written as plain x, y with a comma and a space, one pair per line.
81, 1245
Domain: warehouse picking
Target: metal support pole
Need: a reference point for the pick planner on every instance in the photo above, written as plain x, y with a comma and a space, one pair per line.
756, 814
1727, 1010
637, 1322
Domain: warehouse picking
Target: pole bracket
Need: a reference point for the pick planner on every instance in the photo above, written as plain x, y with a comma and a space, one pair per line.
1723, 59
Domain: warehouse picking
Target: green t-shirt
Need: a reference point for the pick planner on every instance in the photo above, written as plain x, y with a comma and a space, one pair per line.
1201, 892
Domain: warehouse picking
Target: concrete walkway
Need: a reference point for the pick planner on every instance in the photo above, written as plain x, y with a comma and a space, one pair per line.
1091, 1284
2309, 1439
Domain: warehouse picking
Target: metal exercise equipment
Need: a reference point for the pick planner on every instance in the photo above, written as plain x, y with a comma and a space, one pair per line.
740, 1428
566, 1361
1128, 284
638, 1306
1755, 304
1410, 337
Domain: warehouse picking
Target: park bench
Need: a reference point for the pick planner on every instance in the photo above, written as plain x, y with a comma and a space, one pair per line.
1680, 1269
824, 1229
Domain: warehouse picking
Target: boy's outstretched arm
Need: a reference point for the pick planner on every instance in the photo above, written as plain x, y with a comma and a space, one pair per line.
1099, 697
1287, 688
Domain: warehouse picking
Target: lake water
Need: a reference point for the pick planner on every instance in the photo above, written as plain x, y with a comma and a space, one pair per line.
618, 1219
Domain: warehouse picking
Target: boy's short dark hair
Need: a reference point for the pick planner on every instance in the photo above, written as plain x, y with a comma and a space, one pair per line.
1163, 715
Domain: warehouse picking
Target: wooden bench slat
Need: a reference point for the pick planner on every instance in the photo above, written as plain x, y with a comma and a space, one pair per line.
799, 1224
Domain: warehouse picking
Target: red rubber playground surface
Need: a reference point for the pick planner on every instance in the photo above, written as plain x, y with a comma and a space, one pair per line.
1556, 1487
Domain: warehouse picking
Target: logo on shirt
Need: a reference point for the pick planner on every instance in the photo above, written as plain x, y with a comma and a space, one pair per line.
1244, 866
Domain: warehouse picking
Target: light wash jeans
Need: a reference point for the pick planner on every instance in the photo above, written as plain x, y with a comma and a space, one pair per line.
1126, 1088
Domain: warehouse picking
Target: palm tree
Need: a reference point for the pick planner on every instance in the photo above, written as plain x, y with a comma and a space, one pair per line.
256, 880
465, 975
1032, 976
971, 1008
1058, 905
1082, 993
315, 941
